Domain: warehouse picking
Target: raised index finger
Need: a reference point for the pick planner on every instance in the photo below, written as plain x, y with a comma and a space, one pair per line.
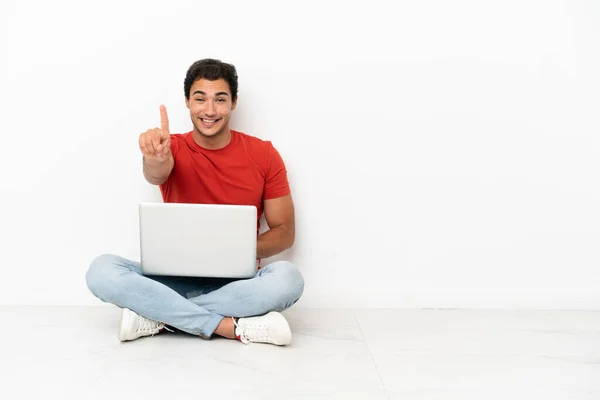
164, 122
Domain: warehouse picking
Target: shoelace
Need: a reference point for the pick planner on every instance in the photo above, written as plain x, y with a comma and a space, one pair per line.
148, 325
252, 333
242, 337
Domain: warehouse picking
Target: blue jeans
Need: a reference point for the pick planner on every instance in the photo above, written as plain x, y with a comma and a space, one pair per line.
193, 305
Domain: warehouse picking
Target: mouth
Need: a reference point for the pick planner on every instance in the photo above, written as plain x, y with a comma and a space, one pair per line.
209, 123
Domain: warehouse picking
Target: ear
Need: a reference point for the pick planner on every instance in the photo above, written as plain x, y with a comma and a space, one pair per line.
187, 103
234, 104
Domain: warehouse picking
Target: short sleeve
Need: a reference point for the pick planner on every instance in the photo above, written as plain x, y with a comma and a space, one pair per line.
276, 181
174, 145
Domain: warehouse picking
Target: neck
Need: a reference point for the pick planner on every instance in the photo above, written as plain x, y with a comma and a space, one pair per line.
216, 142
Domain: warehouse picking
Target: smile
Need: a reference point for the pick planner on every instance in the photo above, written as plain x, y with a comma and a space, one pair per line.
209, 122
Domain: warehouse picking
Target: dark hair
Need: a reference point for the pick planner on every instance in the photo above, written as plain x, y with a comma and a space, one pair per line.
211, 70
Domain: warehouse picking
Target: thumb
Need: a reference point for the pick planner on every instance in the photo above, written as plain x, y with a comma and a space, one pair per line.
165, 147
166, 140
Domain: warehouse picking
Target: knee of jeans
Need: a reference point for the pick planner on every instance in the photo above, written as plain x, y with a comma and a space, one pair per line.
290, 283
97, 276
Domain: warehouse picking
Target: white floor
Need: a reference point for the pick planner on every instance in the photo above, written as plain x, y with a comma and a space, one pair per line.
73, 352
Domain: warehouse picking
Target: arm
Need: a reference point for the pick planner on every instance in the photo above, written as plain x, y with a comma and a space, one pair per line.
157, 172
279, 214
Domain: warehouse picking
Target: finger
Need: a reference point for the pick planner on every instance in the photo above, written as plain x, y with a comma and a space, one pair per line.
166, 141
144, 149
165, 144
163, 150
144, 144
149, 144
164, 122
156, 139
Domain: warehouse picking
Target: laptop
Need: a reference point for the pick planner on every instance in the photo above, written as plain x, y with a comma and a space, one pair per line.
198, 240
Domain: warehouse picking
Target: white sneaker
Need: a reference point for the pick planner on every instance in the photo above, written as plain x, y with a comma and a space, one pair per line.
134, 326
270, 328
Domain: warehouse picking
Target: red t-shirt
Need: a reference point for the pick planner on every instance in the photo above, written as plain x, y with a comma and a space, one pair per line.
245, 172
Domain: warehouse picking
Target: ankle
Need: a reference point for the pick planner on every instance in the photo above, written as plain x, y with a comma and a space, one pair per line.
226, 328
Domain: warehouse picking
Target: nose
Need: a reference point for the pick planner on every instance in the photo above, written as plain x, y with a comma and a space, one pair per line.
209, 110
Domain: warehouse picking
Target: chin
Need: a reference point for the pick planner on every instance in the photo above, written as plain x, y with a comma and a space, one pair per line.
209, 134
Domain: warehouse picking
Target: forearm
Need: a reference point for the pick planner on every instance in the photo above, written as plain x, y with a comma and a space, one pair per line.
156, 172
274, 241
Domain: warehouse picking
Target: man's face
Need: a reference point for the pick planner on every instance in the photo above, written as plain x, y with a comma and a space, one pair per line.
210, 106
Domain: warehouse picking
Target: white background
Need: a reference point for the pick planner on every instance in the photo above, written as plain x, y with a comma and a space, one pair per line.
441, 153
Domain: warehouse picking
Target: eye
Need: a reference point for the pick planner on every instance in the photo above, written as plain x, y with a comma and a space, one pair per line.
221, 100
199, 100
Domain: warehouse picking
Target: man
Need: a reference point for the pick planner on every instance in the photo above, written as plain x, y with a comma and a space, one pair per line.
210, 164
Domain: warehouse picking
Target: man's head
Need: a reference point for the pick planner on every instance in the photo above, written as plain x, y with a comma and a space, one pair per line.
210, 95
211, 70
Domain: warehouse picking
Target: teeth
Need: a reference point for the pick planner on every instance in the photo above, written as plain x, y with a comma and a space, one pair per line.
210, 121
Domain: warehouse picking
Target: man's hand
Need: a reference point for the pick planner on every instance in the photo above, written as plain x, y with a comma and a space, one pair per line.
155, 144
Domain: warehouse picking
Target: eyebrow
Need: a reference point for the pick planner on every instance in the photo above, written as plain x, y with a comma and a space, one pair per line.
216, 94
